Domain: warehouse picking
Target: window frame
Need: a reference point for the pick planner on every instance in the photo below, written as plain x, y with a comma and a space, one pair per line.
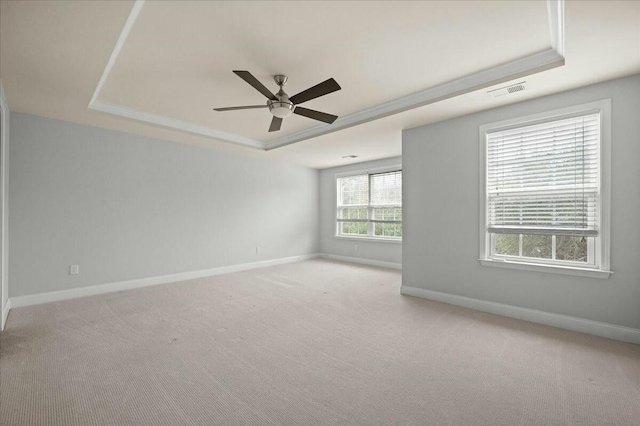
600, 250
370, 224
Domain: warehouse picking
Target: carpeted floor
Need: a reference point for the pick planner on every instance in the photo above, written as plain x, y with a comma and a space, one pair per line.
308, 343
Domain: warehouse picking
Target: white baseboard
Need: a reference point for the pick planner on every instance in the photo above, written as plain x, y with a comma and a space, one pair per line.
611, 331
362, 261
55, 296
5, 314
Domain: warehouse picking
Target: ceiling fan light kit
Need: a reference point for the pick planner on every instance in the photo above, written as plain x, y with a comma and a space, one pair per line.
281, 105
281, 109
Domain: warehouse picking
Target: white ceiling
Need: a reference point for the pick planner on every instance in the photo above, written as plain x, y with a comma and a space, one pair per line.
177, 60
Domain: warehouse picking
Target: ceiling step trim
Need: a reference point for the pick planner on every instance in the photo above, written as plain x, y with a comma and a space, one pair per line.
122, 38
150, 118
541, 61
555, 9
160, 120
516, 69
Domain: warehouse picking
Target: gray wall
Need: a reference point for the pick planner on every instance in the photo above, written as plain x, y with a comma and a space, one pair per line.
125, 207
441, 207
372, 250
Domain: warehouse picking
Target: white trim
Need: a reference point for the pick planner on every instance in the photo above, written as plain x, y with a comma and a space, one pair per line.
370, 170
172, 123
541, 61
369, 262
554, 269
545, 116
4, 207
158, 120
484, 242
604, 247
55, 296
5, 313
499, 74
555, 10
370, 239
611, 331
122, 38
605, 184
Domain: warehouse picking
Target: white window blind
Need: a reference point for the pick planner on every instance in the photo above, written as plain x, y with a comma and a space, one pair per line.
386, 197
544, 178
353, 198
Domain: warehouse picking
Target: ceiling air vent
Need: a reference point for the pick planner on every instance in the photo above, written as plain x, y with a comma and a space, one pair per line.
518, 87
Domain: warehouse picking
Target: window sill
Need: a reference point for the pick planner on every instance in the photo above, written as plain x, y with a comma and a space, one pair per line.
553, 269
370, 239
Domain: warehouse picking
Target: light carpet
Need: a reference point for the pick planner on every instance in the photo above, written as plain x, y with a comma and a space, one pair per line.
309, 343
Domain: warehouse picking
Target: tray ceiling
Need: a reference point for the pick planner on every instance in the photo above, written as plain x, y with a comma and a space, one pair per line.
178, 57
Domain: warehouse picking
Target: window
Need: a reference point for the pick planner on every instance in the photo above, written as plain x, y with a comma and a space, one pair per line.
370, 205
545, 204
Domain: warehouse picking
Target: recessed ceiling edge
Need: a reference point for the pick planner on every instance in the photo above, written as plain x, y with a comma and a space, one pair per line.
551, 58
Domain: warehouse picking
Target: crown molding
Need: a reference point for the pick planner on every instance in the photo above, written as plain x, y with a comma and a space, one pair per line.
122, 38
172, 123
541, 61
512, 70
556, 25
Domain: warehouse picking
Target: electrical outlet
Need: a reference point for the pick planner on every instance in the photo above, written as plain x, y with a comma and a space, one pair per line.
74, 269
258, 249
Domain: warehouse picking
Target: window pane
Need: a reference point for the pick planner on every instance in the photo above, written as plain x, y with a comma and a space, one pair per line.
354, 190
507, 244
387, 213
536, 246
386, 188
572, 248
353, 213
353, 228
388, 230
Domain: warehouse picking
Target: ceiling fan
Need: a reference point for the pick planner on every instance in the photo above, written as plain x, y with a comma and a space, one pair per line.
282, 106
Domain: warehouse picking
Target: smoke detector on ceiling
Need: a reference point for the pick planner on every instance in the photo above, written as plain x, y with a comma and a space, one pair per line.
508, 90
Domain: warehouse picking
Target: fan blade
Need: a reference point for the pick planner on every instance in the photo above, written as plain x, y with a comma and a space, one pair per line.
275, 124
240, 107
316, 115
324, 88
249, 78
